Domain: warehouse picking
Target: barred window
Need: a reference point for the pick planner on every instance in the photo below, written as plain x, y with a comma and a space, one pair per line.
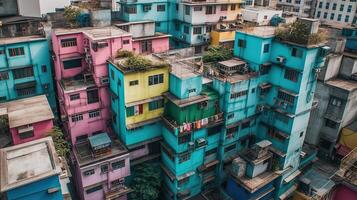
26, 91
77, 117
239, 94
69, 42
156, 79
130, 9
94, 113
160, 8
286, 97
16, 51
4, 76
291, 75
118, 164
156, 104
184, 157
135, 82
74, 97
23, 72
92, 96
210, 152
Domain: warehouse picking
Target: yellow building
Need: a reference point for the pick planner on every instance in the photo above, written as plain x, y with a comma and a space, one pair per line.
348, 136
223, 37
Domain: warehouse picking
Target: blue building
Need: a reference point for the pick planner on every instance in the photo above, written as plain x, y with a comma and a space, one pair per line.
30, 171
25, 69
271, 98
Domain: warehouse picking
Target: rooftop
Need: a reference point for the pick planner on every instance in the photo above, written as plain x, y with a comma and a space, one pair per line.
26, 163
232, 62
260, 31
14, 40
27, 111
77, 82
95, 33
254, 184
320, 182
84, 154
344, 84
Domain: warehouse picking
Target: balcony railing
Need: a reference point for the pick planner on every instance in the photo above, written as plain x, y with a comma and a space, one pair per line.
193, 126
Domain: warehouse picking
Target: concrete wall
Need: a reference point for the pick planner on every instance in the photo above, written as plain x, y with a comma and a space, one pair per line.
8, 8
331, 68
348, 66
40, 130
100, 18
38, 8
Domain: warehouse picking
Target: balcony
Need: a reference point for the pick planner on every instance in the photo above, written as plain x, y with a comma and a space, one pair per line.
193, 126
78, 82
116, 192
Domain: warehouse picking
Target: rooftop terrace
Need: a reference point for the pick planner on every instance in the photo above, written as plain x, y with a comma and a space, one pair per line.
84, 150
95, 33
27, 111
344, 84
78, 82
26, 163
260, 31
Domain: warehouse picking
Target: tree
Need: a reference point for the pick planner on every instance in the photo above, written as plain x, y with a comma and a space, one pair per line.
4, 125
146, 182
71, 14
216, 54
61, 145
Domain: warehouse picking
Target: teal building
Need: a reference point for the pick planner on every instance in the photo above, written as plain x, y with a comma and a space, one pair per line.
25, 69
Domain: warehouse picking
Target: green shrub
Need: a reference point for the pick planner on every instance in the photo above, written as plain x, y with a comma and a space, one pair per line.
216, 54
124, 54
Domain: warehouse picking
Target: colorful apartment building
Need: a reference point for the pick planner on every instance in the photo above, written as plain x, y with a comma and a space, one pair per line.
189, 22
25, 69
101, 165
31, 171
137, 104
28, 119
80, 57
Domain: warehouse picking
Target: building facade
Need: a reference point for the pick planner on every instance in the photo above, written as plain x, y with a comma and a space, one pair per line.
29, 119
26, 71
301, 8
340, 12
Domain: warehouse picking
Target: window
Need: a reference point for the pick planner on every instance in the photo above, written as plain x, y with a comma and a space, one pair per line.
126, 41
197, 8
230, 116
2, 99
233, 7
160, 8
349, 8
210, 152
130, 9
184, 138
230, 148
347, 18
117, 182
334, 6
232, 130
94, 189
301, 134
192, 90
156, 104
156, 79
325, 15
291, 75
339, 17
239, 94
77, 117
266, 48
330, 123
296, 52
187, 10
2, 51
245, 125
286, 97
135, 82
26, 90
320, 4
342, 7
134, 110
209, 28
92, 96
16, 51
44, 68
335, 101
94, 113
104, 168
146, 8
210, 10
4, 76
69, 42
25, 135
186, 29
69, 64
241, 43
89, 172
23, 72
318, 14
276, 134
214, 130
112, 74
118, 164
74, 97
327, 6
183, 181
332, 16
197, 30
177, 6
224, 7
184, 157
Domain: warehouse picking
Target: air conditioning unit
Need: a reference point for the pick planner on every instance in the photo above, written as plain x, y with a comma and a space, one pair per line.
222, 17
104, 80
191, 146
201, 142
280, 59
200, 37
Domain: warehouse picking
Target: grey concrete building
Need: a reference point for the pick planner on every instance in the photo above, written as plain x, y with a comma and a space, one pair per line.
336, 94
343, 12
8, 8
301, 8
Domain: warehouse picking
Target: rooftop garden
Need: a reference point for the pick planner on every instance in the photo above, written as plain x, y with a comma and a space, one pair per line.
217, 54
135, 62
298, 32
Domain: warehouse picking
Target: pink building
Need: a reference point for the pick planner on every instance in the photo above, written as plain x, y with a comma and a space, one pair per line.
80, 57
29, 119
101, 165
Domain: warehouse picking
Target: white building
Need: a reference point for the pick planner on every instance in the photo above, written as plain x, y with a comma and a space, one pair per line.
302, 8
38, 8
343, 12
260, 15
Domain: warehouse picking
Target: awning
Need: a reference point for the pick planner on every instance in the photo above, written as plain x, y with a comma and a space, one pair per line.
265, 85
99, 141
288, 92
167, 172
188, 174
25, 85
292, 176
